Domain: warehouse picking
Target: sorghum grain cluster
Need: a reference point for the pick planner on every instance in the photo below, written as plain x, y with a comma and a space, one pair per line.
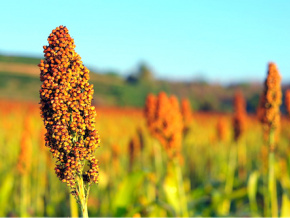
69, 118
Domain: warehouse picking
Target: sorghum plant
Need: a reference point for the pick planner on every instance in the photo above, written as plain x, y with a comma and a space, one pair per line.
269, 115
164, 121
134, 148
240, 114
69, 117
239, 120
186, 114
269, 105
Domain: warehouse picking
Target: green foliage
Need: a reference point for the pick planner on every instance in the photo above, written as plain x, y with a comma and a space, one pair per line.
126, 194
114, 90
5, 193
19, 59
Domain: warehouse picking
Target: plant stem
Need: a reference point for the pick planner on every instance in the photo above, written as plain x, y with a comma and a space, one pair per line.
272, 179
24, 193
272, 186
267, 211
73, 206
158, 159
82, 196
182, 196
225, 207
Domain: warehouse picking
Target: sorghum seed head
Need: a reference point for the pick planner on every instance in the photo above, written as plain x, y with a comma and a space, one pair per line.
69, 118
164, 121
240, 115
186, 114
270, 100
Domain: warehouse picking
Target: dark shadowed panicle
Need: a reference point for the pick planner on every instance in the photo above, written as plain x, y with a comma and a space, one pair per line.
186, 114
69, 117
240, 114
287, 101
134, 148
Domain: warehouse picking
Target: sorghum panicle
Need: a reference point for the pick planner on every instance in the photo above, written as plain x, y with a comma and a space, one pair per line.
186, 114
270, 101
164, 121
134, 148
65, 98
240, 115
150, 110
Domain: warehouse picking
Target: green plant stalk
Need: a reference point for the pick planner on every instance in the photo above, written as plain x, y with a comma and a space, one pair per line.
225, 208
272, 179
73, 207
158, 165
242, 160
252, 192
285, 206
267, 209
182, 196
41, 171
272, 185
24, 194
158, 159
82, 196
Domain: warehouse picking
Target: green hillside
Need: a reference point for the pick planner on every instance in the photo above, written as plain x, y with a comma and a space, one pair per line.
18, 59
111, 89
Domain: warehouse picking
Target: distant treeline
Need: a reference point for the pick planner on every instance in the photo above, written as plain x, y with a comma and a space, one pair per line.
113, 90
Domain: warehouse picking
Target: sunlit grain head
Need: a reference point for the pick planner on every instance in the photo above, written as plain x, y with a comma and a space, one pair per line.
68, 116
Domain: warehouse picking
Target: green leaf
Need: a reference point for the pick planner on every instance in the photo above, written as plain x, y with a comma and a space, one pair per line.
170, 187
252, 191
5, 192
285, 208
126, 193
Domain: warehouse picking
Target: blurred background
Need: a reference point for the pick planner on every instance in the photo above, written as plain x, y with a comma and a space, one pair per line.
203, 51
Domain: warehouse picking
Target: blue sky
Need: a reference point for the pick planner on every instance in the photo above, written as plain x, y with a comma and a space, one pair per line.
222, 41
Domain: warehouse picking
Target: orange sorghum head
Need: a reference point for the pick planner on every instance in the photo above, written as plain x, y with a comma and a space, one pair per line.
69, 118
287, 101
240, 114
270, 101
150, 110
186, 113
164, 121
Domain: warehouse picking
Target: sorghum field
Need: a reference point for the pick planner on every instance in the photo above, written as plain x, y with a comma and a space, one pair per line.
69, 155
212, 175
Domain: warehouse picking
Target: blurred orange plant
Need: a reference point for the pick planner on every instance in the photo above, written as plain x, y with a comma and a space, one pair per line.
240, 115
164, 121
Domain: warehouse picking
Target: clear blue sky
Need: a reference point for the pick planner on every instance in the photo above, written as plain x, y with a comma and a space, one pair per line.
221, 41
